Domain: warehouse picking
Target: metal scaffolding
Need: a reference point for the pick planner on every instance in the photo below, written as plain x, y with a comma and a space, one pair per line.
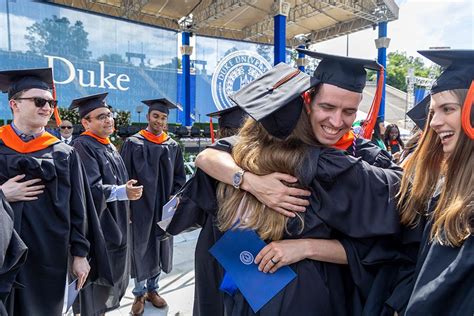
249, 20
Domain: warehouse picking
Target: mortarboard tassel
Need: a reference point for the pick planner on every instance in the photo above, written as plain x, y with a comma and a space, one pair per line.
56, 111
213, 138
467, 112
369, 123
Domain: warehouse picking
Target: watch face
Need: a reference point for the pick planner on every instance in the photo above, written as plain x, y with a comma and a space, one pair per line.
237, 179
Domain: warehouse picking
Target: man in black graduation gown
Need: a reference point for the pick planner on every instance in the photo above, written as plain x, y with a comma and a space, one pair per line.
111, 191
43, 180
332, 107
156, 161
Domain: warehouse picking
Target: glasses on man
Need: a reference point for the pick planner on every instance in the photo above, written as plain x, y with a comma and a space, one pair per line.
104, 116
65, 127
40, 102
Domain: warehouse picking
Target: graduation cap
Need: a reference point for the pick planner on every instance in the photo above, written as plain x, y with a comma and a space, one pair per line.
163, 105
350, 74
419, 113
274, 99
14, 81
89, 103
229, 118
341, 71
458, 73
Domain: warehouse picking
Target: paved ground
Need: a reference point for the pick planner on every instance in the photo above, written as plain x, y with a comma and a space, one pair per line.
177, 287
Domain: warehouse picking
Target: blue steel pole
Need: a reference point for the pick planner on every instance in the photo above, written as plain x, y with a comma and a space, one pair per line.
301, 58
382, 59
279, 33
186, 88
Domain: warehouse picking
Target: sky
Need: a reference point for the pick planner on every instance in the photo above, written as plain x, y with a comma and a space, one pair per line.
421, 24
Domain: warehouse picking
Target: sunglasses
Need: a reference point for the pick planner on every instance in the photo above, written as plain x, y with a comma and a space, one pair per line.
40, 102
64, 127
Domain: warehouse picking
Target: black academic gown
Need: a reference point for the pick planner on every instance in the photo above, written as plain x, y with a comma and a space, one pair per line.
52, 226
384, 281
13, 252
384, 284
105, 168
193, 212
160, 169
444, 277
337, 175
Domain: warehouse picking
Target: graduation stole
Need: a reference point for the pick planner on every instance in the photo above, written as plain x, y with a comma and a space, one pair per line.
466, 114
13, 141
104, 141
152, 137
345, 141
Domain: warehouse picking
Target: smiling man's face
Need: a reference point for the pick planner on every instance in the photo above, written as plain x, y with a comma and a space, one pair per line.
333, 111
30, 115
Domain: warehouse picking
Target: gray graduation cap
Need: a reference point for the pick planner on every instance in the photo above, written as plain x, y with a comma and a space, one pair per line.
89, 103
232, 117
274, 99
341, 71
163, 105
14, 81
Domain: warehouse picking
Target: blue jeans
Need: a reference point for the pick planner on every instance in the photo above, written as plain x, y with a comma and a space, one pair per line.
145, 286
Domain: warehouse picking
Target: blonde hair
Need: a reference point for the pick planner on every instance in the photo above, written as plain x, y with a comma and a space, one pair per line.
453, 216
260, 153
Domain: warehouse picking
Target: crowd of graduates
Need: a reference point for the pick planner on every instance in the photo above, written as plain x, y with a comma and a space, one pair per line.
352, 226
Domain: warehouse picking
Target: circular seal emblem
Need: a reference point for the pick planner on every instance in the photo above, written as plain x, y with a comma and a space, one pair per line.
233, 72
246, 257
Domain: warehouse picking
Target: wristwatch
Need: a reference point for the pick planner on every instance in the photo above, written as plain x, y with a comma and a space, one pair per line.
237, 178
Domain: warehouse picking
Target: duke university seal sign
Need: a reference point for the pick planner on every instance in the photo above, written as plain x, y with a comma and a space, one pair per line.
235, 71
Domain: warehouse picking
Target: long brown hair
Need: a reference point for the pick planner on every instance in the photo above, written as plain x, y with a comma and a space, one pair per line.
260, 153
453, 215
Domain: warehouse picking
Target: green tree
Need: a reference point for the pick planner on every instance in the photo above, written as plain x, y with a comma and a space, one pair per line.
57, 36
398, 65
70, 115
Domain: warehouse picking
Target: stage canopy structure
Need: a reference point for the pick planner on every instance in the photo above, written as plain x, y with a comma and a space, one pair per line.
250, 20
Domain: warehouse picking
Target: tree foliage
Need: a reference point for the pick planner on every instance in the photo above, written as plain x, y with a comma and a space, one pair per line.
399, 64
57, 36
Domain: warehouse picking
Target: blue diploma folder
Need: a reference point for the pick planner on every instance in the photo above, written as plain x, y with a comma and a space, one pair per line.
236, 251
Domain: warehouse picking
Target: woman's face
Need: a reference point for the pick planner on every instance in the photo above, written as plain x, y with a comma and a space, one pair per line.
393, 133
446, 119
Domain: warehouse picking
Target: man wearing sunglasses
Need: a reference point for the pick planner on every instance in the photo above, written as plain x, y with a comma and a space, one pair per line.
44, 183
112, 190
66, 129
